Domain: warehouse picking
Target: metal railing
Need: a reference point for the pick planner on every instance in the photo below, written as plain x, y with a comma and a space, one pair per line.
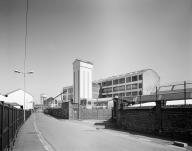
178, 93
11, 119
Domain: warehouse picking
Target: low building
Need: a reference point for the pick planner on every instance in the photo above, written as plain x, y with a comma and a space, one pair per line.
17, 96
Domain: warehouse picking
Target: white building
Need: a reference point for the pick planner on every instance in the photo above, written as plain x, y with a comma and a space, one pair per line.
82, 76
17, 96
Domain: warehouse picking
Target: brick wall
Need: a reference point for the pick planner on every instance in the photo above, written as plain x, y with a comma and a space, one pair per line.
137, 119
101, 114
72, 111
175, 121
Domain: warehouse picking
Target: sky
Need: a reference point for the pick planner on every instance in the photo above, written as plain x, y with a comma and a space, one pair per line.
118, 36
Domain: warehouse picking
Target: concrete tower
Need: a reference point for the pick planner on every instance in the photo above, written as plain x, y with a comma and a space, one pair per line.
82, 80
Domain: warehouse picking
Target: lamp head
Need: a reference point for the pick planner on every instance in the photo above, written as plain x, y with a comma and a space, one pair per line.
30, 72
17, 71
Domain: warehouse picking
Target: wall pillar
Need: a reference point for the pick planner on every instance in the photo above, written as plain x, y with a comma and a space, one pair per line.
158, 116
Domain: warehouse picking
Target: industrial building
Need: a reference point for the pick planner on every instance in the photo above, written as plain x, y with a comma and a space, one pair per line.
142, 82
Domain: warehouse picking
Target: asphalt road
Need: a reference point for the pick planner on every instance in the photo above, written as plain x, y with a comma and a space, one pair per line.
66, 135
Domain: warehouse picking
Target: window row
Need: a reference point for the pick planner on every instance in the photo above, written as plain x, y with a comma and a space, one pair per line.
107, 83
133, 93
122, 88
122, 80
134, 86
107, 90
119, 88
134, 78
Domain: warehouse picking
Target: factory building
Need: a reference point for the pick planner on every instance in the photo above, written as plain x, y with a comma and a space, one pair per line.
142, 82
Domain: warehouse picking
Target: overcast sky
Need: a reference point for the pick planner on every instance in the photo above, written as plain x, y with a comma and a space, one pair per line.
118, 36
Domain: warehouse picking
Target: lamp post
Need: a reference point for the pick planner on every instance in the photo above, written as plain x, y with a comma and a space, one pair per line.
24, 83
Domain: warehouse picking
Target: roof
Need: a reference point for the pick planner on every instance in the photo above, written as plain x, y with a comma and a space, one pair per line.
13, 103
7, 94
81, 60
123, 75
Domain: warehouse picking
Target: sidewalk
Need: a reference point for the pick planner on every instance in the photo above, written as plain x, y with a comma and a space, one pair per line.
27, 138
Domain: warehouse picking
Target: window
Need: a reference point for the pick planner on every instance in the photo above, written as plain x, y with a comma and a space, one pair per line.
128, 79
140, 93
134, 78
122, 88
116, 94
140, 77
64, 91
64, 97
122, 80
115, 89
107, 90
70, 97
134, 93
121, 94
140, 85
128, 94
128, 87
70, 90
107, 83
134, 86
109, 95
115, 81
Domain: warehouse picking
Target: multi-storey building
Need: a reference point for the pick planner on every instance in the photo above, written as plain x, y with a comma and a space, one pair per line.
143, 82
68, 92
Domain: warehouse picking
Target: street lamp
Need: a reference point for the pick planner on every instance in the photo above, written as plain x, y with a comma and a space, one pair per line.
24, 82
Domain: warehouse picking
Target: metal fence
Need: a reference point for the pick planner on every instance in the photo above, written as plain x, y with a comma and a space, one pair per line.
172, 95
11, 119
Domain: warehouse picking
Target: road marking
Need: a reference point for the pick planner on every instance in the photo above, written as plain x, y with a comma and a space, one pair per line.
45, 144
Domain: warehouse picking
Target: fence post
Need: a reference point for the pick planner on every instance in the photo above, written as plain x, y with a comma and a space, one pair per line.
156, 94
8, 127
2, 115
185, 92
140, 93
158, 117
12, 122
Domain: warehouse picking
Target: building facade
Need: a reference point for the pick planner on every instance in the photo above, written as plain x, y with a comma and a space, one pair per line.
17, 96
137, 83
143, 82
82, 76
68, 92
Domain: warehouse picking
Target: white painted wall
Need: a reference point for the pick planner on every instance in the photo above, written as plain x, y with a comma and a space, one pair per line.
18, 97
151, 80
82, 80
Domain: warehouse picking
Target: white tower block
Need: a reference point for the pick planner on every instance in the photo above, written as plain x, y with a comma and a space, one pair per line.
82, 80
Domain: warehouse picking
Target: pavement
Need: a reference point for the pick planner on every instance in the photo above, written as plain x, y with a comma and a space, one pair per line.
45, 133
27, 138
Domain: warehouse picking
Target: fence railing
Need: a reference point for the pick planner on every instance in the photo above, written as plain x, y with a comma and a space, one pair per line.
11, 119
173, 94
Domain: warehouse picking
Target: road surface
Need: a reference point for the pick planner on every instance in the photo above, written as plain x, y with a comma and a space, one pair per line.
65, 135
